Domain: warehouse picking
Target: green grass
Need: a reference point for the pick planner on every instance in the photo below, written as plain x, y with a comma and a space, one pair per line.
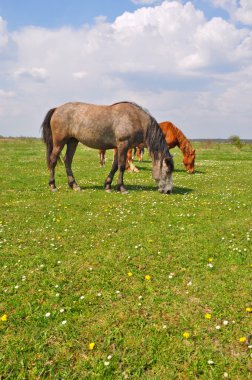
69, 254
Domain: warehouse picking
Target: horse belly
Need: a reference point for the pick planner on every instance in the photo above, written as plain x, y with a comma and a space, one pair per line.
95, 135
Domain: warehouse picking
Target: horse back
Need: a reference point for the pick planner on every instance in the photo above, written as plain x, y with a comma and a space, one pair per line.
97, 126
170, 133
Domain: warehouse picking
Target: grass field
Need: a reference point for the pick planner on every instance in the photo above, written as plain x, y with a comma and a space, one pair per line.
138, 286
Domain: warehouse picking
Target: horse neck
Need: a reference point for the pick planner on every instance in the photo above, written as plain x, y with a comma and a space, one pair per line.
183, 143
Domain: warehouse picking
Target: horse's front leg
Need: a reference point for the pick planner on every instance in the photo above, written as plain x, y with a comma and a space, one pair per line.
102, 157
113, 170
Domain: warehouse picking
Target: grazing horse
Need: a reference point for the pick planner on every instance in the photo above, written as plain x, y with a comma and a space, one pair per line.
120, 125
174, 137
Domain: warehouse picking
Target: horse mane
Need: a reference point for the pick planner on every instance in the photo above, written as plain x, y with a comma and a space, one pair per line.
183, 143
154, 138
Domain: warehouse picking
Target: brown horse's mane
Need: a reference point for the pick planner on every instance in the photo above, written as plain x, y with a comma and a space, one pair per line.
154, 139
183, 143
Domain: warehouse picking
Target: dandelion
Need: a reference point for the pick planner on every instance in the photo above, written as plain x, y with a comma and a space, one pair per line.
91, 346
210, 260
147, 277
242, 339
249, 309
186, 335
130, 274
208, 316
4, 318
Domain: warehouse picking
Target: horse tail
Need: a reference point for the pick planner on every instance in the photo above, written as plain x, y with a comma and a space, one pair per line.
47, 134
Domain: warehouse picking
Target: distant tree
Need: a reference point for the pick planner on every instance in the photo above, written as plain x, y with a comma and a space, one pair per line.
236, 141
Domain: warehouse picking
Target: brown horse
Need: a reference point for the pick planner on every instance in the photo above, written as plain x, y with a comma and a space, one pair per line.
174, 137
120, 125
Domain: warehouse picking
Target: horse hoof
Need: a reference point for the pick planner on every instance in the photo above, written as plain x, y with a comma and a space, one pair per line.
108, 190
53, 189
135, 170
122, 190
76, 188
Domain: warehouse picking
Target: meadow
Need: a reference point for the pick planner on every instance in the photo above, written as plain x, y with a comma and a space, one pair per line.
114, 286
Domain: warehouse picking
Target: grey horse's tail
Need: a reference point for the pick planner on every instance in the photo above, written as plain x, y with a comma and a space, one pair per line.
47, 134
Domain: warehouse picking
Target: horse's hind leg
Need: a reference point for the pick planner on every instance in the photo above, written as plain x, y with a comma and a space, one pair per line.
122, 157
71, 148
52, 163
113, 170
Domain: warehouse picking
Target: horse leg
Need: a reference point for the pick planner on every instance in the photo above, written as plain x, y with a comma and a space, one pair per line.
113, 170
52, 163
71, 148
130, 166
122, 157
102, 157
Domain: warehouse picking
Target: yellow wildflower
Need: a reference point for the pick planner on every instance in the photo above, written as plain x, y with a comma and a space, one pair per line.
130, 274
91, 346
249, 309
208, 316
210, 259
186, 335
242, 339
147, 277
4, 318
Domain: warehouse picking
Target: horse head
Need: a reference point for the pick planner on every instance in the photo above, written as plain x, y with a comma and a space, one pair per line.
188, 161
162, 173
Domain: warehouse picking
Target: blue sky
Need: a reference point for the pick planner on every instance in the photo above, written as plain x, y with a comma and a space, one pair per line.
188, 62
56, 13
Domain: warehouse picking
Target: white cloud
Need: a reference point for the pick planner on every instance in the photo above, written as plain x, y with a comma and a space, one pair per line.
3, 34
239, 10
7, 94
244, 12
35, 73
145, 2
80, 75
169, 58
